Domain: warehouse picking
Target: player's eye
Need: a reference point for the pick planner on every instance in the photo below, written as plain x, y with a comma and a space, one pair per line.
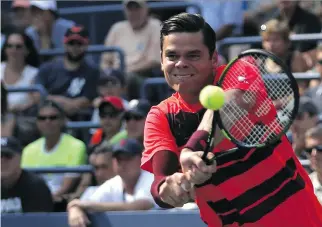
172, 57
194, 57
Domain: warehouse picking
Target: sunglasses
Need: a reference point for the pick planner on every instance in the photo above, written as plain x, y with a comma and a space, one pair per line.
75, 43
16, 46
49, 117
129, 117
113, 114
7, 155
318, 149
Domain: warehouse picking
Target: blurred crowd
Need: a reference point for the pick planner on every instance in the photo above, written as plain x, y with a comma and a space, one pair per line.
34, 128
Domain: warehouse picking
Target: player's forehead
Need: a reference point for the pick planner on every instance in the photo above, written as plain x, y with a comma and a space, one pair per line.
183, 42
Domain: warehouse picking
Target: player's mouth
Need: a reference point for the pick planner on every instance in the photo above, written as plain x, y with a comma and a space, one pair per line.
183, 76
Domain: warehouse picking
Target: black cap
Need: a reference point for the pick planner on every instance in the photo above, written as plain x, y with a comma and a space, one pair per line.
139, 107
10, 145
77, 33
128, 146
306, 105
112, 75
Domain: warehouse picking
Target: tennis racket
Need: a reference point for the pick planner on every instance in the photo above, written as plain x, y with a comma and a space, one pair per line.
260, 103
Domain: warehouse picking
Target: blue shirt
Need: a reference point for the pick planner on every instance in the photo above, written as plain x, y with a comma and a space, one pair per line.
57, 35
72, 84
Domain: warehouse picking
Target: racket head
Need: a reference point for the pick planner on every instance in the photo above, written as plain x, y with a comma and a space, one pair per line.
257, 120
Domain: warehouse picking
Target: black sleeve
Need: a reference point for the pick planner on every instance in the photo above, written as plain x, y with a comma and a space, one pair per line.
42, 75
39, 199
90, 87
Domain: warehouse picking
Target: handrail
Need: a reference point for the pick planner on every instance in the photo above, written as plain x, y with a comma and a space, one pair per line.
258, 39
82, 124
119, 7
76, 169
91, 49
34, 88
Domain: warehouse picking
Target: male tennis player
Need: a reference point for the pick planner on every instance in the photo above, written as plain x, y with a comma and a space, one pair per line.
268, 190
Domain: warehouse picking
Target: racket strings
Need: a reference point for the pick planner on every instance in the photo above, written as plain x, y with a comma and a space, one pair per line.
272, 96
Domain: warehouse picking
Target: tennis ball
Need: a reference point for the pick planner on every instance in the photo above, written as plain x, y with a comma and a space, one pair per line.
212, 97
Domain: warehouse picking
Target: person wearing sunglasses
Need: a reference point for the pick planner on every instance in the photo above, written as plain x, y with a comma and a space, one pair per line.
313, 139
20, 188
55, 148
110, 110
19, 67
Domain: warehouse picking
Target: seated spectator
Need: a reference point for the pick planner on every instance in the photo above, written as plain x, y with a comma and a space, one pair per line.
55, 149
300, 21
315, 92
307, 117
110, 84
101, 161
19, 66
110, 110
71, 81
139, 37
21, 13
7, 119
47, 29
129, 190
314, 147
21, 191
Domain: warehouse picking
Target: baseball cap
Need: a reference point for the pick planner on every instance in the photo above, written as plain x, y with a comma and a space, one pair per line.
44, 5
114, 101
78, 33
306, 105
138, 107
20, 4
128, 146
112, 75
10, 145
140, 3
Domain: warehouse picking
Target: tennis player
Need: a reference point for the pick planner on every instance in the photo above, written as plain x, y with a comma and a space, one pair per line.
248, 188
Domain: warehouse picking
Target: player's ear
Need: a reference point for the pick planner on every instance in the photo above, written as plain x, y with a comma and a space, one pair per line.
214, 59
161, 60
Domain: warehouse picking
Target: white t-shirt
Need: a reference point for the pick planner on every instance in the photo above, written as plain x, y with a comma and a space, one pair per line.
112, 190
27, 76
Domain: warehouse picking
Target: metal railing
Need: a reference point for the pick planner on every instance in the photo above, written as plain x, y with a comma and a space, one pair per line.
91, 49
34, 88
76, 169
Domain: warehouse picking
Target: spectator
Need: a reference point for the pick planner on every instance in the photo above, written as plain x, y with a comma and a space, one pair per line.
129, 190
55, 148
110, 111
112, 83
138, 36
225, 17
21, 13
314, 147
19, 66
316, 91
8, 121
48, 29
275, 36
307, 117
101, 161
20, 189
71, 81
300, 21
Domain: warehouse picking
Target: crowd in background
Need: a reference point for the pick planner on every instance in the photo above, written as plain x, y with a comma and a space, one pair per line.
80, 88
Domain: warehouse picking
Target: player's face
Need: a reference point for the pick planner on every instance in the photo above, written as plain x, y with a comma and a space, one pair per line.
186, 62
275, 43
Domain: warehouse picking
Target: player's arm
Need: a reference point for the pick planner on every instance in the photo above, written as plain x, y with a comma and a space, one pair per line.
161, 158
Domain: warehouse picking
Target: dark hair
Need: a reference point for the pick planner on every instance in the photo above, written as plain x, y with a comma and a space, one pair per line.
53, 104
102, 148
4, 99
32, 58
185, 22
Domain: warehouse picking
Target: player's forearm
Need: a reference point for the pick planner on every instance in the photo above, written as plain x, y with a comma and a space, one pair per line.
165, 163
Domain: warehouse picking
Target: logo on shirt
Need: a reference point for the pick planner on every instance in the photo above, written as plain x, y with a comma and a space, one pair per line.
242, 79
11, 205
76, 86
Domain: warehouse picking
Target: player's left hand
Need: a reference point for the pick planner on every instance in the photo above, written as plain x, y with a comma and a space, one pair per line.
195, 169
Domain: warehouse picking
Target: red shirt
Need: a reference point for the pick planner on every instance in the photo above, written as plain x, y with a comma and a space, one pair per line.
266, 188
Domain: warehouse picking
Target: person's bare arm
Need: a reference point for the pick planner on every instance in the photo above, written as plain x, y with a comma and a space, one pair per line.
66, 186
71, 106
140, 204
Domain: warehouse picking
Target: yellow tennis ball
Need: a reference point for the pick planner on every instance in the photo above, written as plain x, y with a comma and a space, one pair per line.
212, 97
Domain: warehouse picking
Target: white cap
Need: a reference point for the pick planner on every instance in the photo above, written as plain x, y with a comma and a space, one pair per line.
44, 5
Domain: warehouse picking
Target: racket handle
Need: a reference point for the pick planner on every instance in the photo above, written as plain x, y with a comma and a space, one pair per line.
230, 151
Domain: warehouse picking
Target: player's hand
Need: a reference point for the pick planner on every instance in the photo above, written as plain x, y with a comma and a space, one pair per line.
77, 217
171, 191
195, 169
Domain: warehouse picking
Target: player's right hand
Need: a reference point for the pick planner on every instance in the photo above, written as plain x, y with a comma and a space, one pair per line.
172, 193
195, 169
